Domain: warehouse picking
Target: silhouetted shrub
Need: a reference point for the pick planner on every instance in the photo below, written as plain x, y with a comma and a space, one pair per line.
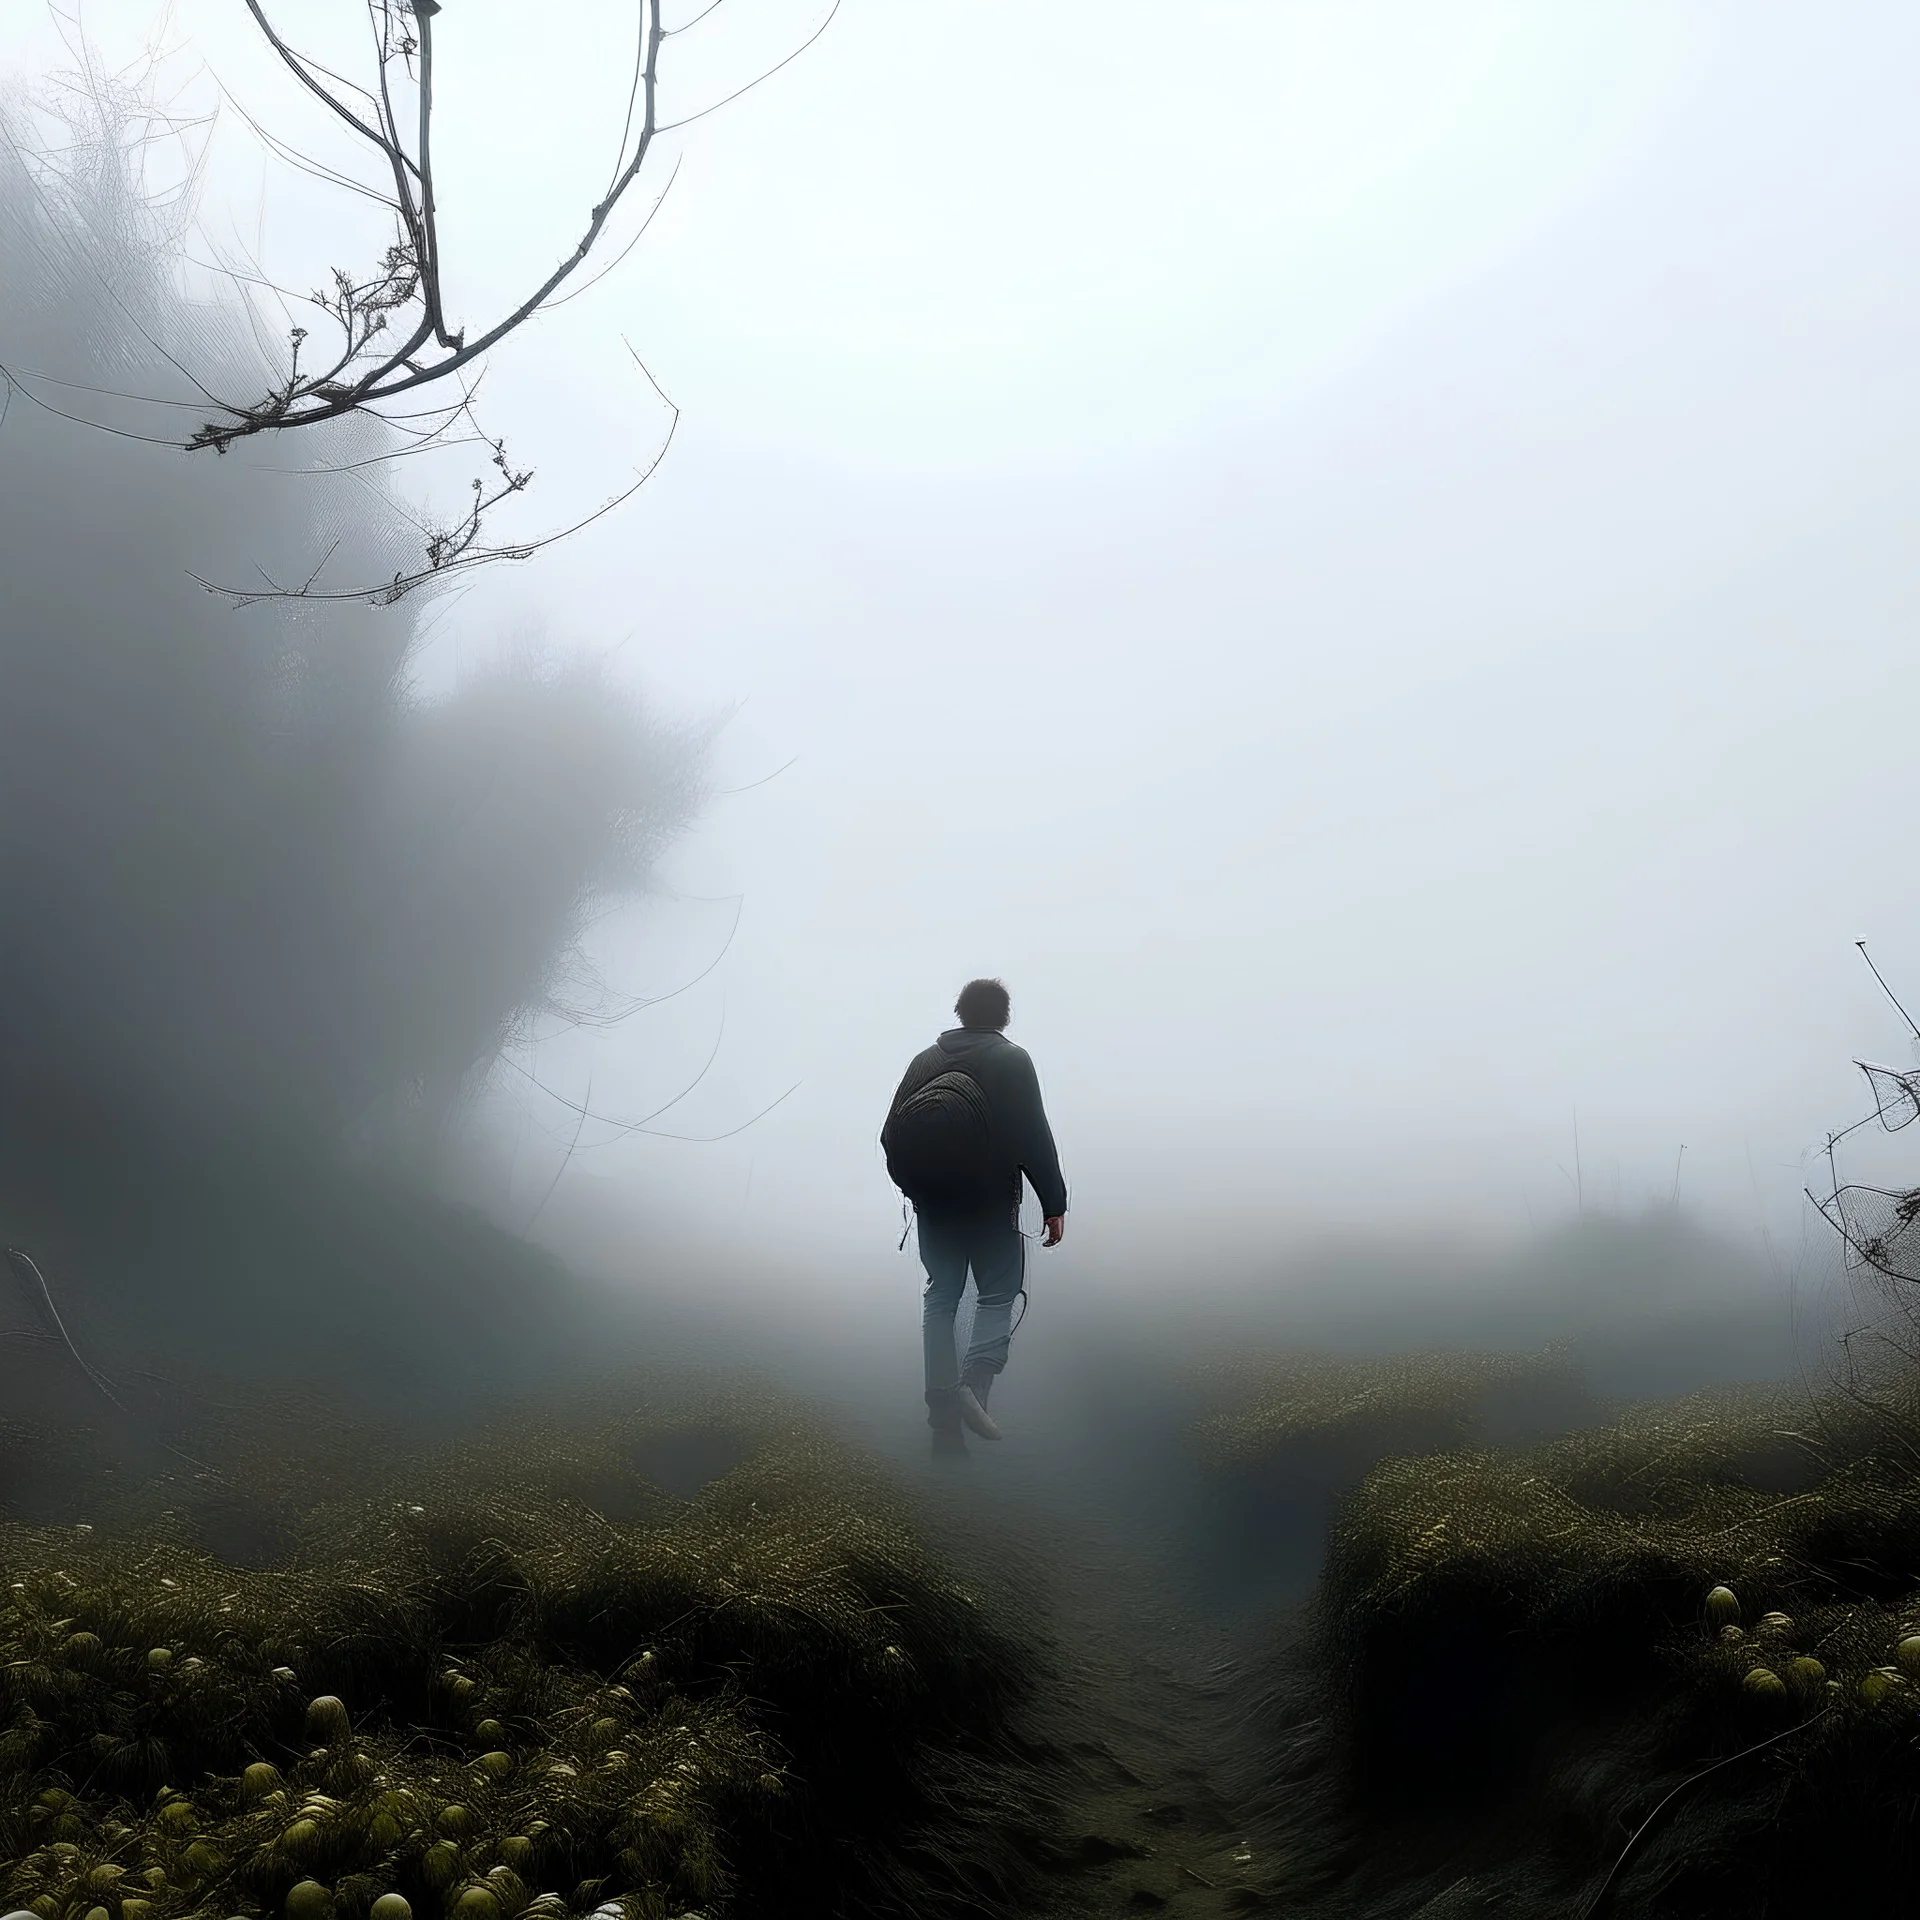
257, 893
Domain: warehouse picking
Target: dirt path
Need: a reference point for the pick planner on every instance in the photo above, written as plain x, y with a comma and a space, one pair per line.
1105, 1538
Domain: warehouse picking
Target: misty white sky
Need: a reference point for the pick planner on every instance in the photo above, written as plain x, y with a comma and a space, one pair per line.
1357, 551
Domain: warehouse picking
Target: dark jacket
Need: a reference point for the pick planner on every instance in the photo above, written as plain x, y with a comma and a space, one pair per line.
1022, 1140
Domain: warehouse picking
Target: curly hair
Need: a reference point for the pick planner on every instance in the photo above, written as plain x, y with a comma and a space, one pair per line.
984, 1004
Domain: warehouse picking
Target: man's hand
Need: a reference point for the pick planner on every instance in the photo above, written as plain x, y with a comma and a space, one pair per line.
1056, 1226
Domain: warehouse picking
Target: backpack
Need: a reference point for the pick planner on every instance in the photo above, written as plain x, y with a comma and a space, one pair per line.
939, 1143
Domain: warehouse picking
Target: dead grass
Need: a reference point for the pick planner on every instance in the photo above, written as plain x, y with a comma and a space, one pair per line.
515, 1677
1515, 1658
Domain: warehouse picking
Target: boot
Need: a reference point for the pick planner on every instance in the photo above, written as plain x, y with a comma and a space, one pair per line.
977, 1418
943, 1416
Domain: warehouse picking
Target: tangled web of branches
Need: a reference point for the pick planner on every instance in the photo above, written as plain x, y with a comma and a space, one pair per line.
1880, 1225
383, 335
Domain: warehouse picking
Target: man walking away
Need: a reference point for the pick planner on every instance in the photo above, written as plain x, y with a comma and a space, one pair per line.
965, 1125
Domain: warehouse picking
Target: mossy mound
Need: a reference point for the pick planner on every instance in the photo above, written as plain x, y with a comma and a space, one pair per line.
469, 1686
1521, 1654
1281, 1439
1314, 1405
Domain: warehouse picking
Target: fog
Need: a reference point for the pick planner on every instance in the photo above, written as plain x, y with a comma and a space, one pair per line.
272, 907
1354, 555
1386, 703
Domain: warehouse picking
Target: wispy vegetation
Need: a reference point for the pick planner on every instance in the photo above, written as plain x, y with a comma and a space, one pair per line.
260, 893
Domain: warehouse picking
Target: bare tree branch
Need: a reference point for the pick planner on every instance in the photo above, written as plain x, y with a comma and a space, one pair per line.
411, 267
302, 72
389, 328
456, 549
376, 337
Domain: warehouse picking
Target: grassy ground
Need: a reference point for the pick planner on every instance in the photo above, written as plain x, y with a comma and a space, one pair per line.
515, 1676
668, 1648
1518, 1654
1281, 1440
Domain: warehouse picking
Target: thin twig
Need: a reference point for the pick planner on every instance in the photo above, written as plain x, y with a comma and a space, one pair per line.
23, 1264
673, 126
565, 1161
1647, 1825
